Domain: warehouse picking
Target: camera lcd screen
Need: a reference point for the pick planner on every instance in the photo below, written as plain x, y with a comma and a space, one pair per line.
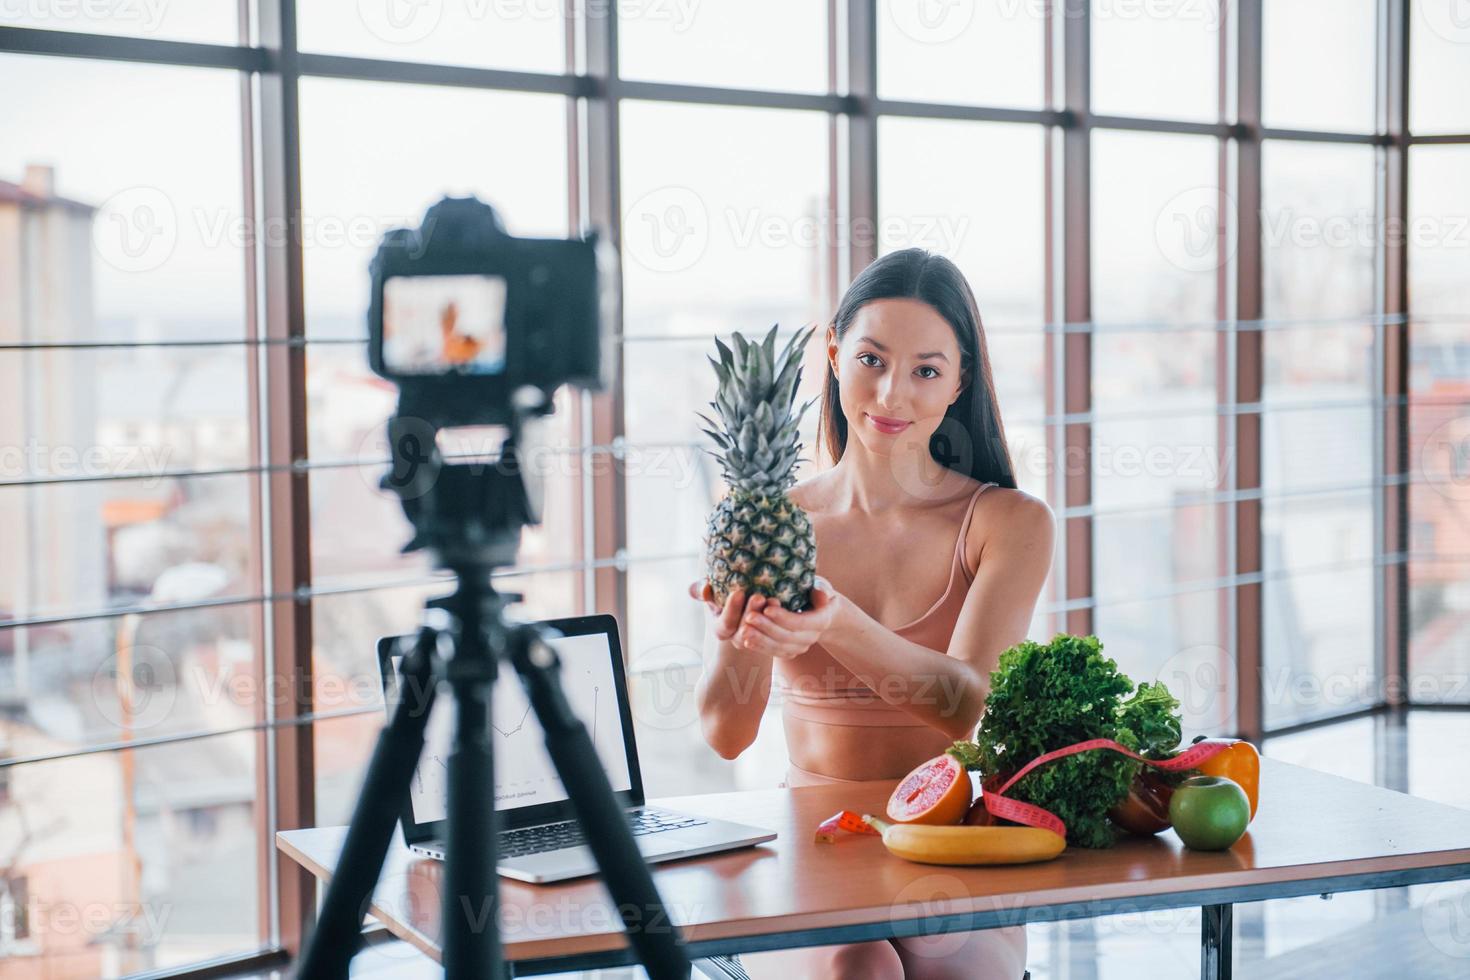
444, 324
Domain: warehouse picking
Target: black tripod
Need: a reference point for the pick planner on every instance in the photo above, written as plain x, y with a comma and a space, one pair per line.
471, 518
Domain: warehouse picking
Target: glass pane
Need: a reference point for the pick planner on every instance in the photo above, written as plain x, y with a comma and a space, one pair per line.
97, 681
445, 141
1439, 512
1176, 640
1155, 227
1439, 68
85, 547
1032, 455
136, 223
1320, 362
1436, 756
345, 631
75, 414
1152, 461
345, 502
1318, 656
673, 490
1439, 229
665, 640
1319, 64
1157, 60
962, 53
1439, 655
1294, 930
1317, 448
1169, 372
1311, 530
974, 192
341, 748
1439, 440
1347, 749
718, 235
525, 36
122, 855
206, 21
764, 44
1149, 552
1439, 466
1319, 229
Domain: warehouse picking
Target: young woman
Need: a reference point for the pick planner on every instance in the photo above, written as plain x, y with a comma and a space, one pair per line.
929, 563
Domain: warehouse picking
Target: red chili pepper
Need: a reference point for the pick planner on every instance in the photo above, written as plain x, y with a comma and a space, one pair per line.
842, 820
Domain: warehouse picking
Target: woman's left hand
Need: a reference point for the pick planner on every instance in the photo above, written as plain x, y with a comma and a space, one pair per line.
769, 628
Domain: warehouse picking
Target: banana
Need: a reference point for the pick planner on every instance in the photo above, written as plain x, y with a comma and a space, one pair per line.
967, 845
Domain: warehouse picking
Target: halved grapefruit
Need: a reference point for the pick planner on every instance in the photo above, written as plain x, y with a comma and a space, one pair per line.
937, 792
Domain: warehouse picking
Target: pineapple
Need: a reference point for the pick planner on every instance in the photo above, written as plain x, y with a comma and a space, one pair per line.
757, 539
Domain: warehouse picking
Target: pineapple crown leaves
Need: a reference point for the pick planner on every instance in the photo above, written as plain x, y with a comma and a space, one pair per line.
757, 429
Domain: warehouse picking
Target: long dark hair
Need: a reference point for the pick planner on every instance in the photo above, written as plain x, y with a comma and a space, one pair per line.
970, 439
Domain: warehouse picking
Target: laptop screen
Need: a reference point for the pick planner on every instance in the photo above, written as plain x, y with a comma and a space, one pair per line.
524, 774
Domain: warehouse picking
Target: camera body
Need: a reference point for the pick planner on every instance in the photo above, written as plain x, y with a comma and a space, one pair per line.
477, 327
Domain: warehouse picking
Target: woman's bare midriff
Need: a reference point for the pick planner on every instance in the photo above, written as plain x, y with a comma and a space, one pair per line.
852, 752
921, 558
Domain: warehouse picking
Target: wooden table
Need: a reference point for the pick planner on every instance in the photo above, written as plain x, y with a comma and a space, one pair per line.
1313, 834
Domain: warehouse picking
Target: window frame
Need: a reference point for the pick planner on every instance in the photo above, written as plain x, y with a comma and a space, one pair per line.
269, 68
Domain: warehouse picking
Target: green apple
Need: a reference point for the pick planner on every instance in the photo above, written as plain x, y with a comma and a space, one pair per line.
1209, 813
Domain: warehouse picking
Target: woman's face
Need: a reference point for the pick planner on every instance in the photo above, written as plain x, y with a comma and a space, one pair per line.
899, 362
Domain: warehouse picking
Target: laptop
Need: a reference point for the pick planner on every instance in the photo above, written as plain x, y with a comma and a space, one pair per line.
540, 840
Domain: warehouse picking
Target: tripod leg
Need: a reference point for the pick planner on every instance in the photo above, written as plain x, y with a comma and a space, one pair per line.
338, 932
471, 928
604, 827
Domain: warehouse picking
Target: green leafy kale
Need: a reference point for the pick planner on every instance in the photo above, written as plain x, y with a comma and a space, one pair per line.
1047, 696
1148, 722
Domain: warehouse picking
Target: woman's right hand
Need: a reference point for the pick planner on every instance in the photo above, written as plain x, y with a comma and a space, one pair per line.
728, 617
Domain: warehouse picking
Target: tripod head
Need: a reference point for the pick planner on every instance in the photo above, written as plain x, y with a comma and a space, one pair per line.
467, 513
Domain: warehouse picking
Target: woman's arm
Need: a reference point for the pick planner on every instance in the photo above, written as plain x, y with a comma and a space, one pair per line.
735, 687
948, 692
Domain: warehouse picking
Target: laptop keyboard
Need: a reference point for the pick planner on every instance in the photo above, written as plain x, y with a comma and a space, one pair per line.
555, 836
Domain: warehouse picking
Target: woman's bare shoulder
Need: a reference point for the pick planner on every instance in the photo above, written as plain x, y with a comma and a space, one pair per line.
1010, 513
1017, 505
808, 494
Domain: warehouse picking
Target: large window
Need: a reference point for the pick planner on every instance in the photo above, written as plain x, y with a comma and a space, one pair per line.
1221, 263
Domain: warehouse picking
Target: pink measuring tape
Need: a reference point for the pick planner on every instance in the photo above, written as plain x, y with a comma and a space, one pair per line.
1031, 815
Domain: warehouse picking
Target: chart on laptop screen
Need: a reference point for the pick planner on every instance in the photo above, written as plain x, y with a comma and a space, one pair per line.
524, 775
